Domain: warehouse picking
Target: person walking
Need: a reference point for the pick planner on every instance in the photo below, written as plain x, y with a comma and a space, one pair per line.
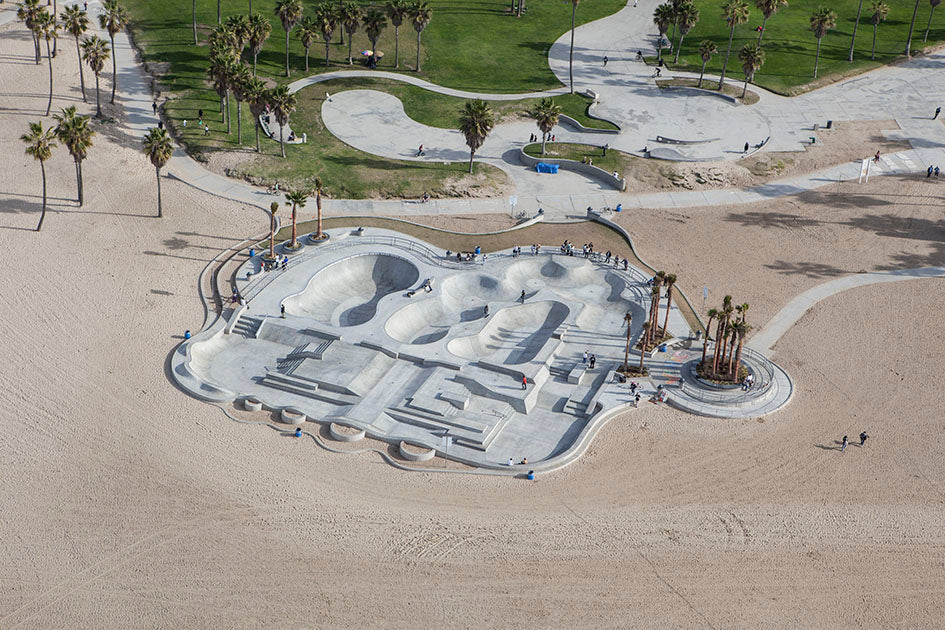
636, 400
584, 360
524, 382
593, 361
522, 297
154, 107
746, 147
843, 445
936, 171
282, 311
938, 110
605, 61
485, 311
863, 438
928, 173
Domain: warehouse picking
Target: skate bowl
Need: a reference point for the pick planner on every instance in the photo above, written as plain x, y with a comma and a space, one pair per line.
514, 335
558, 271
346, 293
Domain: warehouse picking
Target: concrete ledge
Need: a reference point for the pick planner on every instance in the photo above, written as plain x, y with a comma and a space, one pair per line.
414, 453
250, 403
577, 167
679, 88
291, 415
344, 433
570, 121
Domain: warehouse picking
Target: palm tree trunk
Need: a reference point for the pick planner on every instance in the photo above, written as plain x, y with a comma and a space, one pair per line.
42, 168
544, 137
518, 12
817, 57
287, 53
702, 74
229, 120
705, 344
859, 7
281, 139
98, 100
37, 50
738, 356
218, 12
294, 244
114, 71
55, 12
239, 122
626, 352
318, 206
78, 181
254, 63
250, 8
745, 88
571, 52
728, 52
81, 70
669, 303
418, 51
873, 53
194, 12
49, 58
915, 11
272, 235
731, 353
306, 58
678, 47
471, 154
256, 120
396, 46
929, 25
659, 49
642, 353
350, 39
157, 171
327, 52
764, 22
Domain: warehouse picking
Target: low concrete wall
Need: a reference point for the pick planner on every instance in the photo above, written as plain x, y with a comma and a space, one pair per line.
252, 404
337, 433
580, 127
415, 453
731, 99
291, 415
577, 167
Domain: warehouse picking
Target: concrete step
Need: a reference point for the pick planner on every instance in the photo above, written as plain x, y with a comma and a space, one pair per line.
288, 383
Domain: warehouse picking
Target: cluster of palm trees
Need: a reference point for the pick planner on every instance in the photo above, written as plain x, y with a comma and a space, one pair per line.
730, 333
682, 15
652, 333
296, 199
73, 131
95, 51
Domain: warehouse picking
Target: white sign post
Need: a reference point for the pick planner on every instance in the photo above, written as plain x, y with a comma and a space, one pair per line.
446, 441
865, 167
513, 199
705, 296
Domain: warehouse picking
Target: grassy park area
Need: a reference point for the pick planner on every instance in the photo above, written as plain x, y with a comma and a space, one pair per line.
790, 45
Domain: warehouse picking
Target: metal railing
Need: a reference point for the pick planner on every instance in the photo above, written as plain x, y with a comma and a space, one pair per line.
758, 361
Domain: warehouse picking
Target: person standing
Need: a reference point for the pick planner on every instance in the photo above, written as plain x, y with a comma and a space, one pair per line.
928, 173
843, 445
593, 361
746, 147
863, 437
938, 110
154, 107
522, 297
605, 61
584, 360
524, 383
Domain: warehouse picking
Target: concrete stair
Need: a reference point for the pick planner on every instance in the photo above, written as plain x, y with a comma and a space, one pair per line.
247, 326
474, 430
303, 387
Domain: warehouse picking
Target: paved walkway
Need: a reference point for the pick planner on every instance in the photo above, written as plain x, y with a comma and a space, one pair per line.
778, 325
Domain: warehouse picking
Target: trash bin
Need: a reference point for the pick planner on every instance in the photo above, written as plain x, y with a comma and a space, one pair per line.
531, 475
662, 347
829, 124
252, 252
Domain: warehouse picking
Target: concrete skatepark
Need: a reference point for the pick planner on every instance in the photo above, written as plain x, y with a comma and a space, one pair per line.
385, 335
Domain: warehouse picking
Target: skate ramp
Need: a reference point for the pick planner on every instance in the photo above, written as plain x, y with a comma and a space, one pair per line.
559, 271
513, 335
346, 292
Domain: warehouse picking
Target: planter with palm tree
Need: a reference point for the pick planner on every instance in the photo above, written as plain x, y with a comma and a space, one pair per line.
879, 11
928, 26
282, 104
734, 12
113, 18
258, 30
752, 57
327, 21
574, 6
296, 199
351, 15
48, 29
768, 8
256, 95
546, 113
159, 149
821, 21
39, 146
475, 123
420, 16
397, 11
75, 134
663, 17
687, 16
75, 21
375, 21
317, 237
289, 12
95, 52
707, 48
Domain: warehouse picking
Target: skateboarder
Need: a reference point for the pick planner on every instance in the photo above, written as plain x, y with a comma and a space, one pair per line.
524, 382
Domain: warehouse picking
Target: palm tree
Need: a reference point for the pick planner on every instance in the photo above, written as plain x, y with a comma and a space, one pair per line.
687, 16
574, 6
95, 51
670, 282
158, 147
725, 313
658, 281
741, 329
768, 8
915, 11
222, 70
627, 319
821, 21
258, 30
238, 25
39, 146
76, 135
327, 20
752, 57
708, 328
934, 4
734, 12
663, 18
308, 33
240, 81
878, 13
224, 40
48, 28
375, 21
396, 11
318, 206
420, 16
114, 18
296, 198
475, 123
256, 94
350, 15
76, 22
273, 209
706, 50
282, 104
288, 12
856, 23
27, 12
646, 334
546, 113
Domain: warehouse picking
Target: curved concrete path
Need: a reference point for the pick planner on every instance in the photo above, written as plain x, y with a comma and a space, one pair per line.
778, 325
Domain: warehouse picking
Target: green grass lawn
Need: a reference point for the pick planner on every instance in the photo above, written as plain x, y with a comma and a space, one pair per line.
790, 45
613, 161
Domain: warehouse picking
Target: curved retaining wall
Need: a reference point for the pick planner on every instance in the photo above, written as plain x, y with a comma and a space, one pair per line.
415, 453
679, 88
577, 167
334, 429
580, 127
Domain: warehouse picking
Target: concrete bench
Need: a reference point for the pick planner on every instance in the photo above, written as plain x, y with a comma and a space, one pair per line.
574, 376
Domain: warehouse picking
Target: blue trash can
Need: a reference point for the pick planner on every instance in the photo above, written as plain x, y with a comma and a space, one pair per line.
186, 334
662, 347
252, 252
298, 432
531, 475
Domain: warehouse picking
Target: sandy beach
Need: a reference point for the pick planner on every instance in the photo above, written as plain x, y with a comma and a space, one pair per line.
126, 503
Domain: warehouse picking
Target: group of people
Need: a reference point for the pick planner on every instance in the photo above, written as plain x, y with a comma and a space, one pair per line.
524, 461
863, 438
932, 170
272, 265
589, 359
747, 382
